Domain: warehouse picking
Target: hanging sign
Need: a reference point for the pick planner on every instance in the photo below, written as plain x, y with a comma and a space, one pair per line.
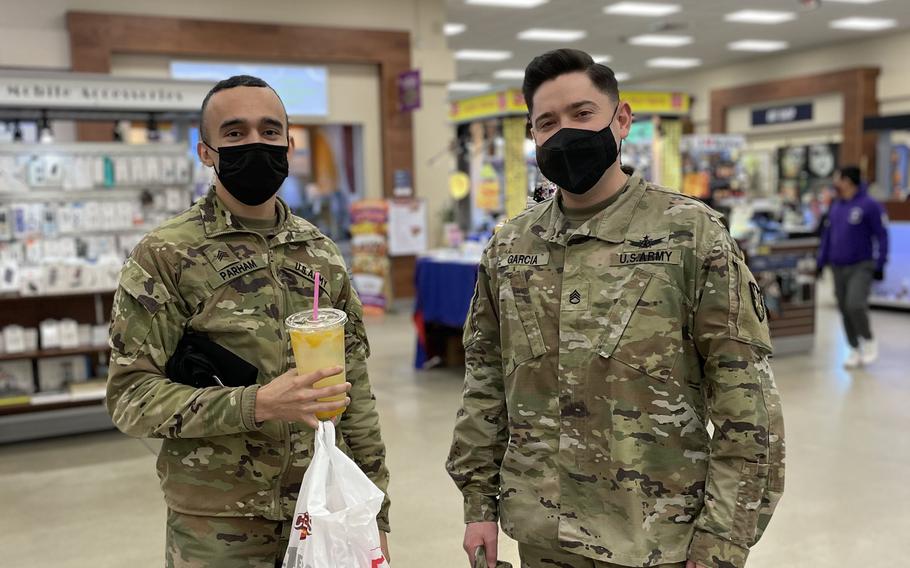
512, 102
409, 91
782, 114
52, 90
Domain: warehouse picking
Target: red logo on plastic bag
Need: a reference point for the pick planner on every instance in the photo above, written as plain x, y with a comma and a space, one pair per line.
304, 525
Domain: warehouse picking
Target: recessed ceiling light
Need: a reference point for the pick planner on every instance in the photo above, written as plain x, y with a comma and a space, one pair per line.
601, 58
468, 86
482, 55
864, 24
856, 1
508, 3
654, 40
543, 34
453, 29
760, 45
510, 74
650, 9
760, 17
674, 62
620, 77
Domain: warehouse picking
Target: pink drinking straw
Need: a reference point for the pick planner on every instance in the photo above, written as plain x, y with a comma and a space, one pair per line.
316, 299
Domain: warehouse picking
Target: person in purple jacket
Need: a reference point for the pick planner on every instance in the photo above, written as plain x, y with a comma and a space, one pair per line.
855, 245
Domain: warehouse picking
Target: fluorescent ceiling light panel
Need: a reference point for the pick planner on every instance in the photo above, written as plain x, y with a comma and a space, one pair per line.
468, 86
674, 62
510, 74
864, 24
758, 45
508, 3
648, 9
451, 29
760, 17
654, 40
482, 55
601, 58
543, 34
620, 77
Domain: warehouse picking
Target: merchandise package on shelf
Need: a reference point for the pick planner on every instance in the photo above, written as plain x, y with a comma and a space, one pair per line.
14, 339
16, 380
79, 167
56, 373
70, 214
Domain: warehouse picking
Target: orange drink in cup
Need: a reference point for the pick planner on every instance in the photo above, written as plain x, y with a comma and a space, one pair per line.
317, 339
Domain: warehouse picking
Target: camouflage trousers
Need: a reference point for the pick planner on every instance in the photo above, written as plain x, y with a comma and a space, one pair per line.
536, 557
225, 542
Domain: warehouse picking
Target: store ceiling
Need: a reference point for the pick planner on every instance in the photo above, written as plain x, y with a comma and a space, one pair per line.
704, 21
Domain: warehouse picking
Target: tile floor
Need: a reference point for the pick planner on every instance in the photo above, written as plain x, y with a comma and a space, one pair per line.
93, 500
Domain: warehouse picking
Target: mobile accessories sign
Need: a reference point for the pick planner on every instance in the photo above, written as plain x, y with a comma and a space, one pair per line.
782, 114
53, 90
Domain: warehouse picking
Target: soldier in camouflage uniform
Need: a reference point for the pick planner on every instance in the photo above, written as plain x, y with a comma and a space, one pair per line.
603, 337
233, 267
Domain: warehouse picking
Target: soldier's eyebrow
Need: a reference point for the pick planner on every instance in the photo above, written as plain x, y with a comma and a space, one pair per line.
579, 104
231, 122
273, 122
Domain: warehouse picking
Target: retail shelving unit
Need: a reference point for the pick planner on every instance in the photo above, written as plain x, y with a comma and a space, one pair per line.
130, 189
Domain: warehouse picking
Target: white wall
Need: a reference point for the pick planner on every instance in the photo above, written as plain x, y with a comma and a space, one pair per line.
33, 34
890, 53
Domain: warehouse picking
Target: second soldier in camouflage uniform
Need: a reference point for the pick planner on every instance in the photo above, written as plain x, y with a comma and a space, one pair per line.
600, 343
233, 458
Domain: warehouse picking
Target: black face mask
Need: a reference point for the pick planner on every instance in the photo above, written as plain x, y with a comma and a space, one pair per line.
252, 173
576, 159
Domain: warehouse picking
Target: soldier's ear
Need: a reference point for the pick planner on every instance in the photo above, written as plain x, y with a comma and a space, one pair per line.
205, 154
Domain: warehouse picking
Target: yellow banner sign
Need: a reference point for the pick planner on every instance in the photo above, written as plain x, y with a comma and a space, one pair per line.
646, 102
487, 106
512, 102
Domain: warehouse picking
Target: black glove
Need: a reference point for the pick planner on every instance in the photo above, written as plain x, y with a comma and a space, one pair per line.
879, 274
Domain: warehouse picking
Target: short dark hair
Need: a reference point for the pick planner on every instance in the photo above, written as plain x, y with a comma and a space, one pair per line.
558, 62
851, 173
230, 83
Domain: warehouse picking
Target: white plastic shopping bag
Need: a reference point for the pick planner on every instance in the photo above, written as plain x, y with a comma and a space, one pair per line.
335, 519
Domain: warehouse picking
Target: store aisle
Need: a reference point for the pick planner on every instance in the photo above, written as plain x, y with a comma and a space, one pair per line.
93, 501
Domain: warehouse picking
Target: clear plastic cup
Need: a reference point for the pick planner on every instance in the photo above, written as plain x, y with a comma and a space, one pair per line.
319, 344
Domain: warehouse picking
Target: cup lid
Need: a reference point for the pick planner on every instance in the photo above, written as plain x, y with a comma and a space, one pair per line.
328, 317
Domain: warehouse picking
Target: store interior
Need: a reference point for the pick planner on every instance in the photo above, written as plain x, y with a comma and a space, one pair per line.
411, 150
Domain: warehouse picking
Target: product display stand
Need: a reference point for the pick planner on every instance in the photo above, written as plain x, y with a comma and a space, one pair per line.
69, 216
785, 271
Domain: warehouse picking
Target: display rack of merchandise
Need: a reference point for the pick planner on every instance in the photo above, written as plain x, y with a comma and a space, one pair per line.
894, 291
69, 216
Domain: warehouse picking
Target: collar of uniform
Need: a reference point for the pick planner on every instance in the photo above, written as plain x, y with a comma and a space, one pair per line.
609, 225
217, 220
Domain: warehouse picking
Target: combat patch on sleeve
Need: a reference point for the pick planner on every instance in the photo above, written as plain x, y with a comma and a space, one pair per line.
758, 301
